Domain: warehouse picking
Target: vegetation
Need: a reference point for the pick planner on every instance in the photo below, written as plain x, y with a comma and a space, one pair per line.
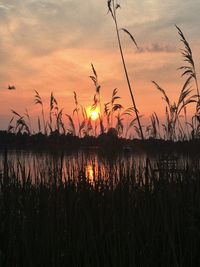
117, 211
126, 121
113, 7
136, 217
173, 128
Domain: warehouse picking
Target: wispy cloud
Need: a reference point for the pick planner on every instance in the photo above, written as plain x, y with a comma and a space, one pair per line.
158, 48
5, 6
49, 44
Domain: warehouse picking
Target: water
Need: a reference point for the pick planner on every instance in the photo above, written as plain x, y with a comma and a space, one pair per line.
90, 164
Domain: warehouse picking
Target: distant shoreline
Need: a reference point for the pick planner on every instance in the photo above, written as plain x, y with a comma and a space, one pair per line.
106, 143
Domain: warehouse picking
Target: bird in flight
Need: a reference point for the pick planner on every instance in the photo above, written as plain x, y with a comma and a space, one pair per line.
11, 87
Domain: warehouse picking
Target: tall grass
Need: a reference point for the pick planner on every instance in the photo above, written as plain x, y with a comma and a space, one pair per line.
38, 100
173, 128
113, 7
142, 218
189, 70
177, 125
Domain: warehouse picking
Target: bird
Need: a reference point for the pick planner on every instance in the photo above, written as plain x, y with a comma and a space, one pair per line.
11, 87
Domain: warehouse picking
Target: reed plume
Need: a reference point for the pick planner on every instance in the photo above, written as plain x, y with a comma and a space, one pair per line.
113, 6
38, 100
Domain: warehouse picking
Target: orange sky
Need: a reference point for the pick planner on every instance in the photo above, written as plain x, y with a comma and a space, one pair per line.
48, 45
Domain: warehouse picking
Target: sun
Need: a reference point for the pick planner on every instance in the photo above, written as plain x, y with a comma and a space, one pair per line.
93, 114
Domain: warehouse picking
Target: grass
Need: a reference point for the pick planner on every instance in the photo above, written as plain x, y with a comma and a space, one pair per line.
113, 7
141, 218
130, 213
173, 131
126, 121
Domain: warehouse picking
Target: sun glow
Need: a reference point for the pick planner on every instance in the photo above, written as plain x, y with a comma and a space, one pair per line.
89, 172
93, 114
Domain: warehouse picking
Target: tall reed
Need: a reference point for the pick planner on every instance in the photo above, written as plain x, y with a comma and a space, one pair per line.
189, 70
113, 7
38, 100
133, 218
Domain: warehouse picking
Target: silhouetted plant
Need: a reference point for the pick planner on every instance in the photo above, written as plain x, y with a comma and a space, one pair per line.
72, 128
38, 100
153, 129
59, 122
20, 125
189, 71
76, 110
29, 120
97, 99
114, 114
173, 110
10, 126
111, 107
128, 117
113, 7
60, 216
53, 107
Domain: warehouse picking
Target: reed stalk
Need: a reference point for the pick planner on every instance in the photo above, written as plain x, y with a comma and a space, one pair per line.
113, 6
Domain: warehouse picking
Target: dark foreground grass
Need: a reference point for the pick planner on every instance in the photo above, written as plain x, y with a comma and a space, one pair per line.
76, 223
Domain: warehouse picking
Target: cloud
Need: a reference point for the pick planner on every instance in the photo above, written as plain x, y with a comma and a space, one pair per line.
5, 6
154, 20
43, 27
50, 44
158, 48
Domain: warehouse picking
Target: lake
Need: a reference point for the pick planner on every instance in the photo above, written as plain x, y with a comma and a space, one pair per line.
94, 166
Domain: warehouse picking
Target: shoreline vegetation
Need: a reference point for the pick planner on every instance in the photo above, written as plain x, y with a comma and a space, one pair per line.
108, 143
129, 214
111, 117
142, 218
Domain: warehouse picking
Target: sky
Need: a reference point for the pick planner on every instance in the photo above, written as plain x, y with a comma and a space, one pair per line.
49, 45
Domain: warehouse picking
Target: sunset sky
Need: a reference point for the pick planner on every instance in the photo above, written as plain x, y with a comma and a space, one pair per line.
49, 45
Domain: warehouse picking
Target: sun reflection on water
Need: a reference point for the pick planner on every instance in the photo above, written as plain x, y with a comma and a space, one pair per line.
89, 172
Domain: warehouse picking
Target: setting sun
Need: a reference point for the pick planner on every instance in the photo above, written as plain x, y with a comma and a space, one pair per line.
93, 114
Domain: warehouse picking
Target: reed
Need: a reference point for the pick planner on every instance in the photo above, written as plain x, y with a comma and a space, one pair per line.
113, 7
134, 218
189, 71
126, 121
38, 101
174, 110
76, 110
